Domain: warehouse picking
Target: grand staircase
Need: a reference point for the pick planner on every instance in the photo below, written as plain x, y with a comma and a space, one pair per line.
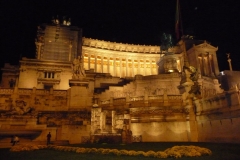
105, 86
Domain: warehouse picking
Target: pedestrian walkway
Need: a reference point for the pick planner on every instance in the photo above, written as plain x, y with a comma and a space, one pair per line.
7, 143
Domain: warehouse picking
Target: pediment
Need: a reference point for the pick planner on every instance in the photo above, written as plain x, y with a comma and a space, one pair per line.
205, 46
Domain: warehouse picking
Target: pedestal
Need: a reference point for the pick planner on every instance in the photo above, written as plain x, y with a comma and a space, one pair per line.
78, 94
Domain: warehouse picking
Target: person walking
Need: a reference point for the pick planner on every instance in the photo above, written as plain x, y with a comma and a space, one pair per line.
14, 140
49, 138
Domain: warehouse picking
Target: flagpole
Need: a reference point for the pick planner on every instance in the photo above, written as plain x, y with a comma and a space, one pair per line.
177, 20
180, 17
177, 29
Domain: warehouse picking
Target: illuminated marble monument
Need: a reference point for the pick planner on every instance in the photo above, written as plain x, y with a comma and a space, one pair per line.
84, 90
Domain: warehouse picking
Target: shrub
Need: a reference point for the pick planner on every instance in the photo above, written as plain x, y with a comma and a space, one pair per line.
175, 152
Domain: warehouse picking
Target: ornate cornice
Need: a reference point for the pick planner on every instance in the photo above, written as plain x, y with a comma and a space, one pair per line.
44, 64
94, 43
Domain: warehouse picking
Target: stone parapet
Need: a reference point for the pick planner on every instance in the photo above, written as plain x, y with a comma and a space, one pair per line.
120, 46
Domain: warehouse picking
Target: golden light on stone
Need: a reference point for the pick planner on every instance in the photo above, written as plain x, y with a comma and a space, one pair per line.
80, 89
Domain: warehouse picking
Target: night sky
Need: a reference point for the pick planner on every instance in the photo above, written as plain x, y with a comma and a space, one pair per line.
125, 21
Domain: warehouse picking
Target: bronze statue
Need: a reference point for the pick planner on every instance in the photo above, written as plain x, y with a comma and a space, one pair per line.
166, 40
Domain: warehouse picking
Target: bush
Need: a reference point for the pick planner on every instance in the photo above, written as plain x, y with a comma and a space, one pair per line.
175, 152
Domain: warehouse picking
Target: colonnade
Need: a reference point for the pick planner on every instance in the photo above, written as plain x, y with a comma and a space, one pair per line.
206, 64
121, 66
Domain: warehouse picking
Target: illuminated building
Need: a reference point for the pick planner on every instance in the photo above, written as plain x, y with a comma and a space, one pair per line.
125, 91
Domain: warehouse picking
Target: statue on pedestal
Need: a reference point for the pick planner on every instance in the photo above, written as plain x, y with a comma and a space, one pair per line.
229, 61
166, 42
78, 69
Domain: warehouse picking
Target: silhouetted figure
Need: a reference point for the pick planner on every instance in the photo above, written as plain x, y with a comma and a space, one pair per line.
11, 83
48, 138
14, 140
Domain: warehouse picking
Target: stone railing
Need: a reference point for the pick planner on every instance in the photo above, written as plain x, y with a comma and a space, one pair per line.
42, 92
172, 99
175, 97
159, 110
156, 97
219, 103
25, 91
104, 102
32, 91
6, 91
119, 101
133, 99
59, 93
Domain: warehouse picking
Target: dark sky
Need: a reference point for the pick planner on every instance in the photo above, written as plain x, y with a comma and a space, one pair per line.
126, 21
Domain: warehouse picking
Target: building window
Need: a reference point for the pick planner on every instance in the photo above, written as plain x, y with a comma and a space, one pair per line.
49, 75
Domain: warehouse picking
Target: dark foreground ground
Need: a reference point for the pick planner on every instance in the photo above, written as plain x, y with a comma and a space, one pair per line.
220, 151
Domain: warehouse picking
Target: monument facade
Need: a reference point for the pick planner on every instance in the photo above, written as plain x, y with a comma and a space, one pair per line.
87, 90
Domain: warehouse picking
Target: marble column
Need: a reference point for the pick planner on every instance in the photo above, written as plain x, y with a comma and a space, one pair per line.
127, 67
102, 64
144, 67
151, 67
89, 61
95, 68
203, 67
157, 67
198, 60
114, 66
132, 68
121, 67
210, 63
113, 121
206, 65
108, 64
139, 71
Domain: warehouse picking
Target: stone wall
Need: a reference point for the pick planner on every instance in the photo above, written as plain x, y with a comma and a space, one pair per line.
40, 74
230, 80
161, 131
221, 130
218, 118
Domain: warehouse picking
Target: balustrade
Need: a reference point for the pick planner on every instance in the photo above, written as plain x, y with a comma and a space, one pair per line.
119, 101
6, 91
